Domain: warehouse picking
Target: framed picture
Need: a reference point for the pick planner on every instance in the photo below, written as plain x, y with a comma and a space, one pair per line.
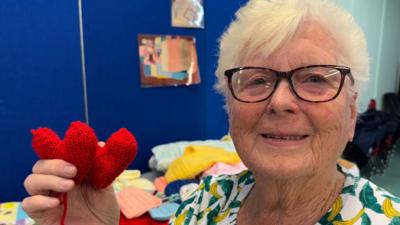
168, 60
187, 13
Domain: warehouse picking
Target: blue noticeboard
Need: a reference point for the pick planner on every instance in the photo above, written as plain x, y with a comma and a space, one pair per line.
41, 77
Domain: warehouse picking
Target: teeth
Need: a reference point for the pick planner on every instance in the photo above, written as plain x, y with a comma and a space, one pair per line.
291, 138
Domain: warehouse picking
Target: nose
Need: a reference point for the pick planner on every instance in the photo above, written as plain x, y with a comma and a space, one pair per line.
283, 99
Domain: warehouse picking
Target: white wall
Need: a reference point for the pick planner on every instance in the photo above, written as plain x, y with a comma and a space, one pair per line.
380, 20
390, 55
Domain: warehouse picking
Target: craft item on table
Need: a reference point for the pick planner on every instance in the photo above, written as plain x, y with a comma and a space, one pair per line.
144, 219
165, 154
224, 168
175, 186
226, 138
160, 183
132, 178
187, 190
12, 213
123, 180
196, 159
144, 184
98, 165
171, 198
164, 211
135, 202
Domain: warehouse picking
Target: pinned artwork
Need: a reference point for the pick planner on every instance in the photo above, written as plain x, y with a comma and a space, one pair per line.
167, 60
188, 13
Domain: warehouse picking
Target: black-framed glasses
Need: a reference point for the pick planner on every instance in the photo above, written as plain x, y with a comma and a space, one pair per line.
314, 83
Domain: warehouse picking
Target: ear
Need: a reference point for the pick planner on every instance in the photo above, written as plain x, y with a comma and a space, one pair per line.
353, 115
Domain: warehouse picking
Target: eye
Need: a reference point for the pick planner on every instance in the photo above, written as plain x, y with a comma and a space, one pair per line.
256, 82
254, 79
313, 78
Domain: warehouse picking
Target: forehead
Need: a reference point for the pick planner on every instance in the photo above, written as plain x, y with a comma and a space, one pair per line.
311, 44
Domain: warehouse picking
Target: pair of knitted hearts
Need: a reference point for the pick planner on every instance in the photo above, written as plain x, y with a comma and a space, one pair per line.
100, 165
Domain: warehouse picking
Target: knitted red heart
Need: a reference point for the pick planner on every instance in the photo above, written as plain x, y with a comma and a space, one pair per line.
100, 164
79, 147
113, 158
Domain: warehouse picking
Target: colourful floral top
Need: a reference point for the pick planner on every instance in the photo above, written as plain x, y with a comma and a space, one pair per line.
218, 200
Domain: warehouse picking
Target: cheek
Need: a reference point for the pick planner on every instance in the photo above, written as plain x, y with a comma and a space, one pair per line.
332, 121
243, 116
331, 134
243, 121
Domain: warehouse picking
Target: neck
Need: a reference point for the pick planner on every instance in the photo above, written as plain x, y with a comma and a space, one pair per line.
288, 201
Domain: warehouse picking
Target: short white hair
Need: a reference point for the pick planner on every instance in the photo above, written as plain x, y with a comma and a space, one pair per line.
261, 26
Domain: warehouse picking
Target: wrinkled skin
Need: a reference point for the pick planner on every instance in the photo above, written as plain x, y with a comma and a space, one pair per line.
85, 205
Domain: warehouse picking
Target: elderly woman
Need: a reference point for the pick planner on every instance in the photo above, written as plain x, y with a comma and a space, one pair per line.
290, 72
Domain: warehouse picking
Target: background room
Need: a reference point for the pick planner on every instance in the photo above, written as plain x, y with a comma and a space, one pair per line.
64, 61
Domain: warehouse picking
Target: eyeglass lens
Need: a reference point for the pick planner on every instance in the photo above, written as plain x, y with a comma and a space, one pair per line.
312, 84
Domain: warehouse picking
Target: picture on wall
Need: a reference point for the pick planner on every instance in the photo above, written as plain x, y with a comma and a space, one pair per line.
187, 13
167, 60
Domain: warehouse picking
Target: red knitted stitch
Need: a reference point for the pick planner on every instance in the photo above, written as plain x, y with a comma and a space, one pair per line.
100, 164
113, 158
78, 147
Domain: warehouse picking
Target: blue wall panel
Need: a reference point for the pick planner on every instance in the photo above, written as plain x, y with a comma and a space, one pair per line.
154, 115
40, 81
218, 15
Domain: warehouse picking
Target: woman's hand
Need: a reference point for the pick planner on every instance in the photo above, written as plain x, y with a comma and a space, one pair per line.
86, 205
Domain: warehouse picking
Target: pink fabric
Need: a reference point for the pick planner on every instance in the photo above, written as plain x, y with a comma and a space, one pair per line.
160, 183
223, 168
135, 202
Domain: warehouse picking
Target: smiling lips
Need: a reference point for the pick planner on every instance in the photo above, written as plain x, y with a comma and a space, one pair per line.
284, 137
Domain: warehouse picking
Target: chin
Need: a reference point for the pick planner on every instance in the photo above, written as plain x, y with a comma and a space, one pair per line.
284, 169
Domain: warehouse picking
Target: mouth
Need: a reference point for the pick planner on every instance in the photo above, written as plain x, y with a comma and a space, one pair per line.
284, 137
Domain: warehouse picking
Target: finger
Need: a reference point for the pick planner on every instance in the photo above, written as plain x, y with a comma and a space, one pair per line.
57, 167
101, 143
37, 203
40, 184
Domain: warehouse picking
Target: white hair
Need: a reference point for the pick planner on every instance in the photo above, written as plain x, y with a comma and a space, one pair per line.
261, 26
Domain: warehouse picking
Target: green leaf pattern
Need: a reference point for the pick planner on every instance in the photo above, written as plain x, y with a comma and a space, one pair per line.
368, 199
360, 197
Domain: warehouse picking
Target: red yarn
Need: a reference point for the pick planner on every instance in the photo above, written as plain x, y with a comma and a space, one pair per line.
79, 147
113, 158
145, 219
65, 203
100, 165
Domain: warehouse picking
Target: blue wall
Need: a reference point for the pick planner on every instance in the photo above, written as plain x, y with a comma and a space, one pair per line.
41, 81
154, 115
218, 16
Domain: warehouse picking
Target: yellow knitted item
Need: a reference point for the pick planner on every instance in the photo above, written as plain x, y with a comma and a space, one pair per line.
196, 159
124, 179
226, 138
131, 178
143, 183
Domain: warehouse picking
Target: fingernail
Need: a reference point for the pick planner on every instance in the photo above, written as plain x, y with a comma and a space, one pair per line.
69, 170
